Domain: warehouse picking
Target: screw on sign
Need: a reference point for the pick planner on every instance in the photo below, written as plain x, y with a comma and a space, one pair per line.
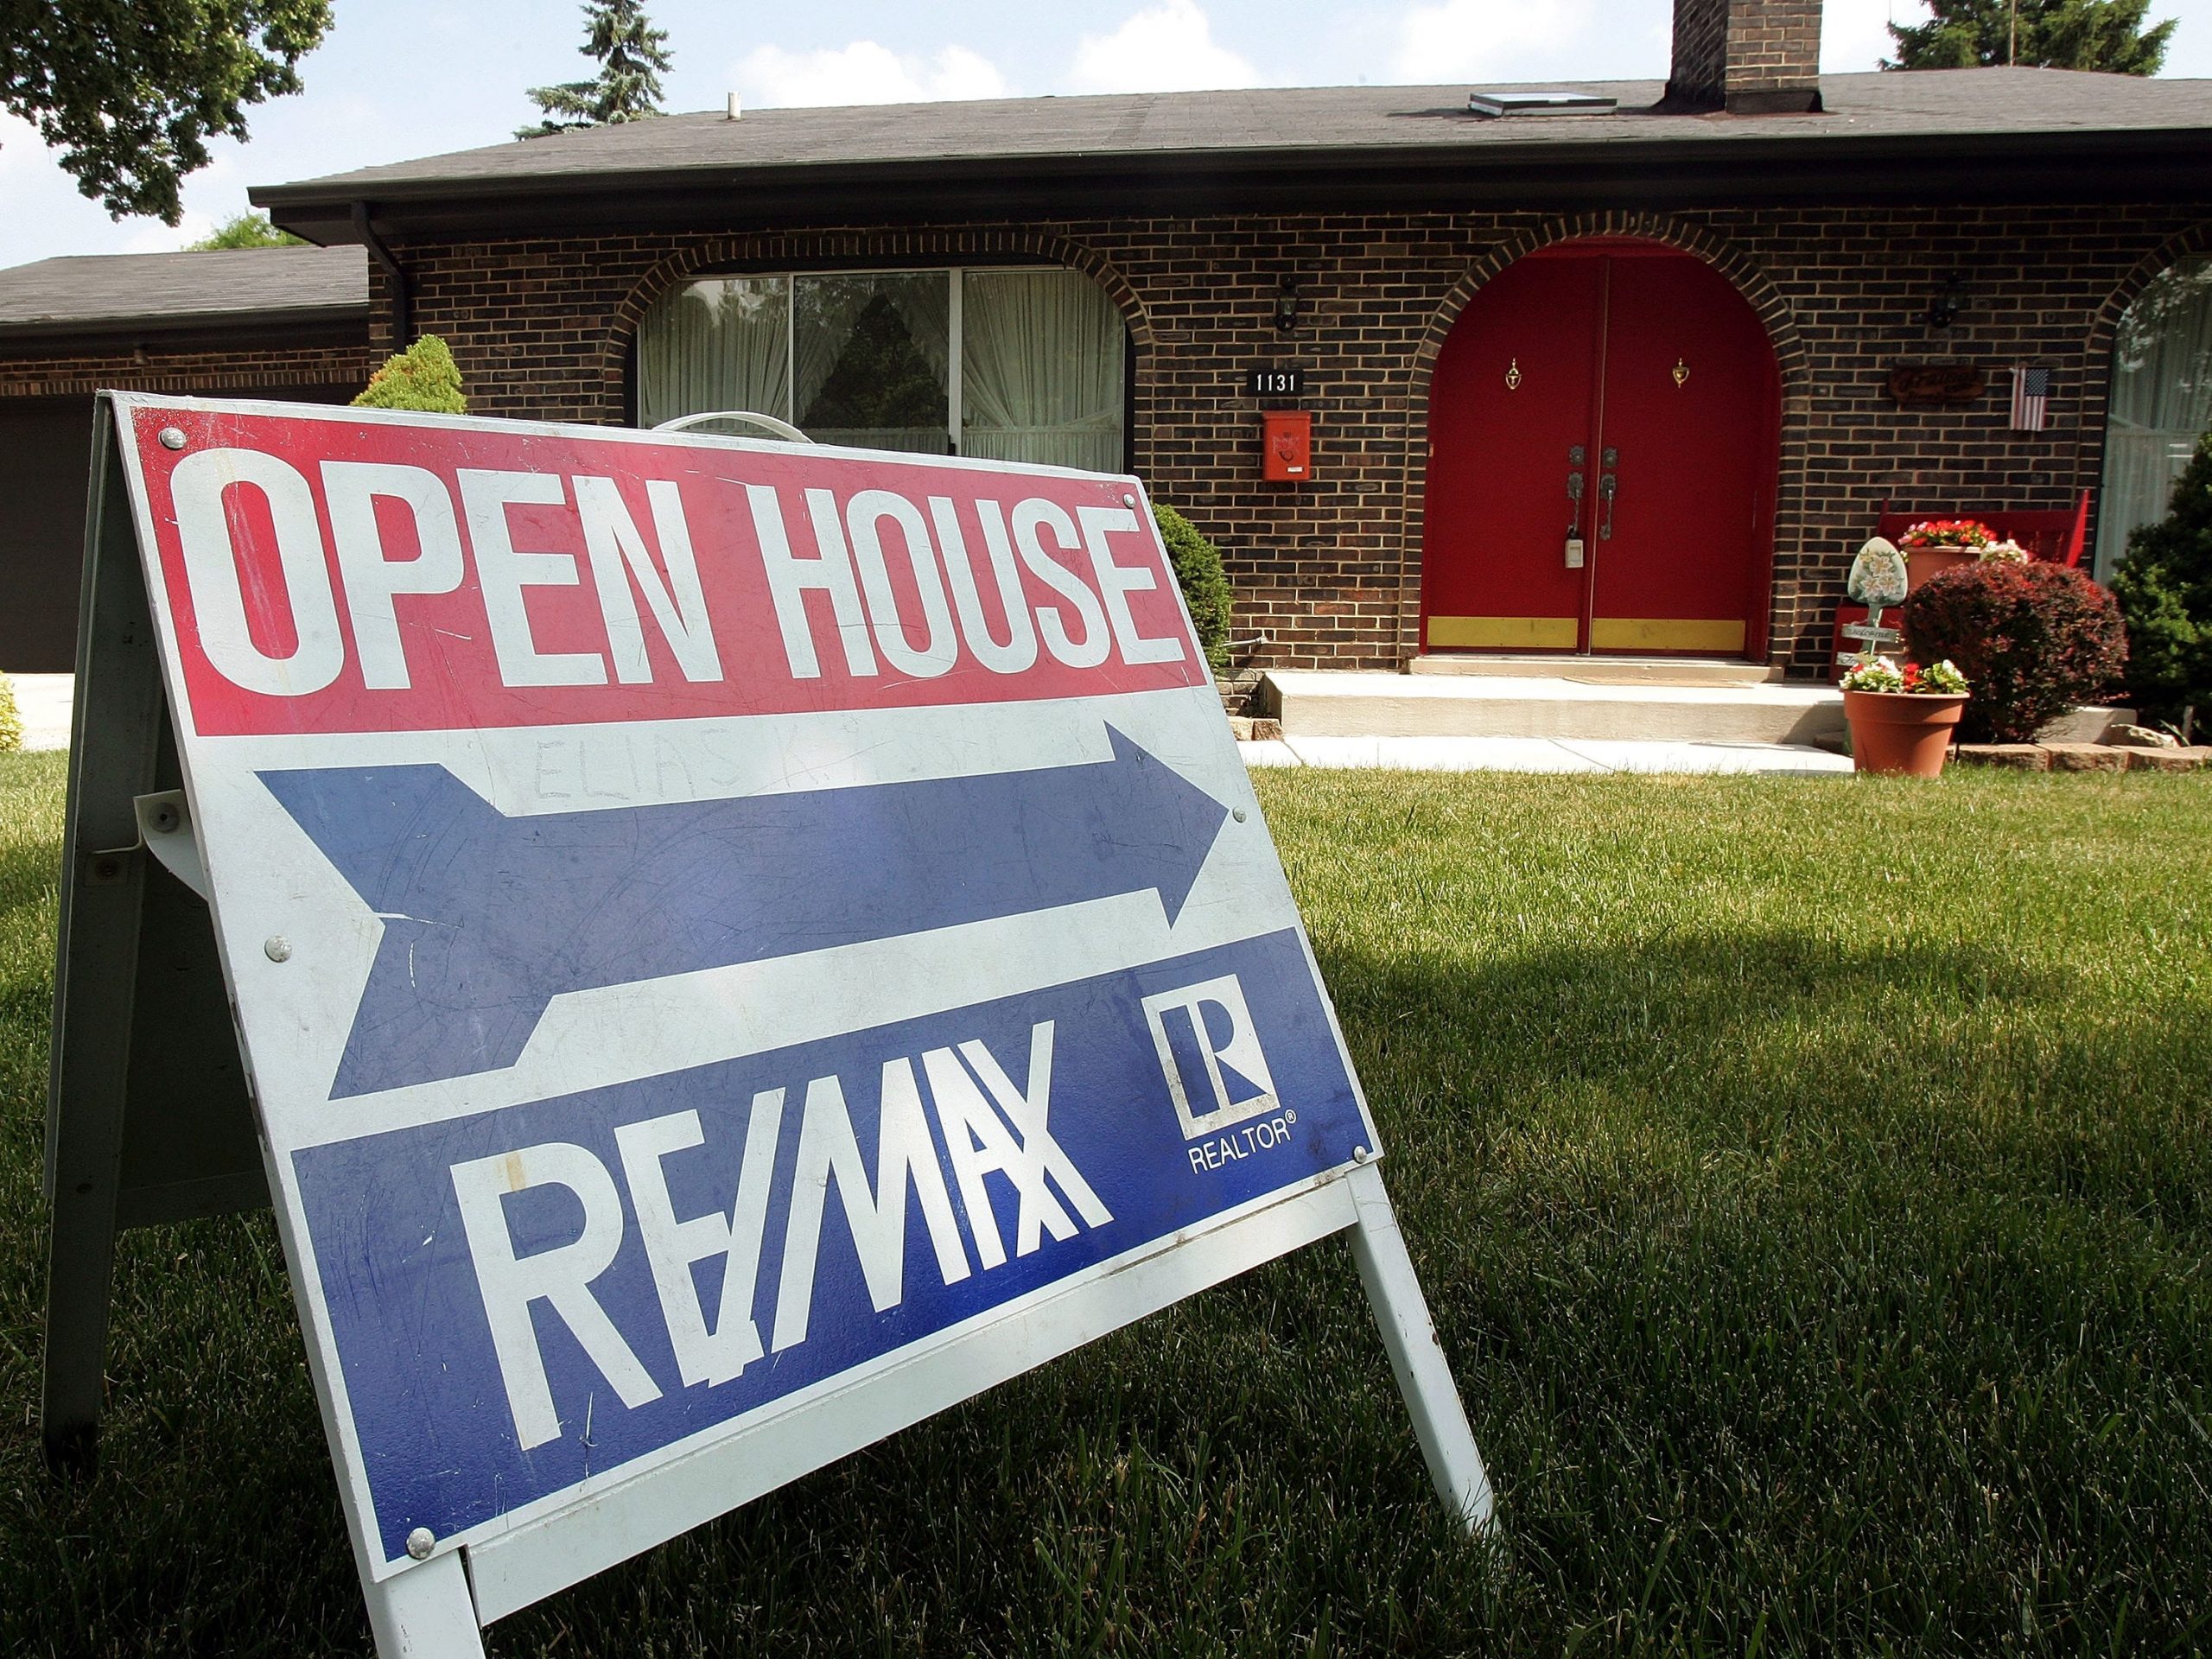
633, 853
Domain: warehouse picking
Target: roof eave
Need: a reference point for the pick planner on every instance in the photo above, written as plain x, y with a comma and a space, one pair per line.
2133, 164
288, 326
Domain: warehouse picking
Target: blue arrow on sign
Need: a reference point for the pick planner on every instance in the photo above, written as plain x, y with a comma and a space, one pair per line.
487, 918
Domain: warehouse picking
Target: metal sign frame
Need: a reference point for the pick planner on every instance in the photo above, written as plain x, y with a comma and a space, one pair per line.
150, 1121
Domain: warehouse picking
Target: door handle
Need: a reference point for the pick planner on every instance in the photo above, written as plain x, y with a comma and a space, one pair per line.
1608, 485
1575, 456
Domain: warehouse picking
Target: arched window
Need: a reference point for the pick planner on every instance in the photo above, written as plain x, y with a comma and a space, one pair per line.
1020, 364
2161, 401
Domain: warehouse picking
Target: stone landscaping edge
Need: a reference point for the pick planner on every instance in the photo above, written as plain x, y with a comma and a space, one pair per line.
2081, 757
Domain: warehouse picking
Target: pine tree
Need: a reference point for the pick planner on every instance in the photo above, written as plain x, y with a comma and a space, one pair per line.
2102, 35
632, 54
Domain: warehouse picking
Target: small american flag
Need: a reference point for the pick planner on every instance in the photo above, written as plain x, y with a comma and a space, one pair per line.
2030, 399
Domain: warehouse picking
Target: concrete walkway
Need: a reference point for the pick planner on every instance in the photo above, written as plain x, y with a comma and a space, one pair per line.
42, 700
1541, 754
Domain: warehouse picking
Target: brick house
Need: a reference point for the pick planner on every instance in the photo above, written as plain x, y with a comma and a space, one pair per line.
1607, 369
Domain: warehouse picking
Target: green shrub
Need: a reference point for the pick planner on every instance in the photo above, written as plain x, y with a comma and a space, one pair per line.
11, 720
423, 377
2032, 640
1199, 572
2165, 589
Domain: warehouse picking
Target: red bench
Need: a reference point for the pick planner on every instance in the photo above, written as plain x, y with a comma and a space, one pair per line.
2057, 538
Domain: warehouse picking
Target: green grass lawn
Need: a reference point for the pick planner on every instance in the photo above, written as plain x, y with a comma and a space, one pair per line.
1812, 1180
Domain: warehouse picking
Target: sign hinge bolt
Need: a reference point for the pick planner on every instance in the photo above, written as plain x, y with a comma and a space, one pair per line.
1361, 1154
421, 1542
171, 438
276, 948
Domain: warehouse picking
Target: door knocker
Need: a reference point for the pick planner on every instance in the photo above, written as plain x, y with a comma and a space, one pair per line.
1681, 371
1513, 375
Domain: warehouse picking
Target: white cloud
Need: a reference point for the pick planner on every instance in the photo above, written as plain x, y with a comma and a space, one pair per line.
1524, 39
1164, 48
1854, 35
864, 72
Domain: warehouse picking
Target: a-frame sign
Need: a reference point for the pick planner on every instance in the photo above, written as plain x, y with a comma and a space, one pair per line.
734, 948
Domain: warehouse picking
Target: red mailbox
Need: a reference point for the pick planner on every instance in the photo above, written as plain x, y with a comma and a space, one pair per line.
1287, 445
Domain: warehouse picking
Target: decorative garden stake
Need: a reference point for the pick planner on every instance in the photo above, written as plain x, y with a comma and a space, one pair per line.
1878, 581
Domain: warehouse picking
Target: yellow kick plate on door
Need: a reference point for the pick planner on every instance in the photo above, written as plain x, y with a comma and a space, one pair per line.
1661, 633
1524, 632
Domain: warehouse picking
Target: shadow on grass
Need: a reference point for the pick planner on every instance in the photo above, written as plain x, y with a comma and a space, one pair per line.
1807, 1297
1852, 1292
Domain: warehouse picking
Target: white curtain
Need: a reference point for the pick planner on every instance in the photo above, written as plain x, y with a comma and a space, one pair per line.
1041, 362
1041, 366
2161, 401
723, 343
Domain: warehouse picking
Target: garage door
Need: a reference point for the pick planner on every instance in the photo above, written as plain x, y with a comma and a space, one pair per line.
46, 446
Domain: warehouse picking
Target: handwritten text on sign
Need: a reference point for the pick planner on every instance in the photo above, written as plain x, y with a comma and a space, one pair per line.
385, 583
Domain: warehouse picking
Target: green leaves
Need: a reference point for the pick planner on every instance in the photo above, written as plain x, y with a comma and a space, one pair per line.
248, 229
2102, 35
423, 377
2165, 589
1199, 572
130, 91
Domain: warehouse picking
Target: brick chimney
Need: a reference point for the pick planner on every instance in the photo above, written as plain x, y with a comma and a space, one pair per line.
1749, 57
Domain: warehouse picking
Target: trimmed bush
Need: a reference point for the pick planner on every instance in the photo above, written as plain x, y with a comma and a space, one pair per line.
2164, 590
423, 377
1204, 585
11, 719
2033, 640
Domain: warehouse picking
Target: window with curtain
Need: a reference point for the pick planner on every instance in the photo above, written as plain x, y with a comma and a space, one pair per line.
1021, 365
2161, 401
721, 344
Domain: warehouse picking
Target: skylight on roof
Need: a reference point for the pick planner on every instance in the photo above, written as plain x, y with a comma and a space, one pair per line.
1538, 103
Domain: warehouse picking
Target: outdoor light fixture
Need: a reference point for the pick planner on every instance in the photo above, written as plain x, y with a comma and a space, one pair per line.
1287, 301
1950, 299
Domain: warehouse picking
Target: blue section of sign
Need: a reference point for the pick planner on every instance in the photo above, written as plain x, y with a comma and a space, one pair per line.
443, 1413
486, 918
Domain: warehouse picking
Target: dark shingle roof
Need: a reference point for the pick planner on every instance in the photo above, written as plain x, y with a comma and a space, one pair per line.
1176, 138
147, 294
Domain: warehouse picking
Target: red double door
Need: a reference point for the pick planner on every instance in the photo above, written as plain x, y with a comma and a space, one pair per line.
1604, 429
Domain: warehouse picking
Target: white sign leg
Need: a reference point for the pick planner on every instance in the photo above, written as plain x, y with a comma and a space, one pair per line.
1409, 1335
425, 1612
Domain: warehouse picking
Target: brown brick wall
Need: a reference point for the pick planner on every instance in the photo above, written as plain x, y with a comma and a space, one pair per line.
223, 372
1331, 570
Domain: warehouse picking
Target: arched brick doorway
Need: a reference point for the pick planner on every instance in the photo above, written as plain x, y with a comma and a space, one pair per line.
1636, 373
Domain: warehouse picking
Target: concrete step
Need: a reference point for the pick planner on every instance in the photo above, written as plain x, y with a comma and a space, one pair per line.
1326, 703
1604, 670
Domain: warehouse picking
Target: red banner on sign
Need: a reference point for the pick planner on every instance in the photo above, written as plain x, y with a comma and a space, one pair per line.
342, 574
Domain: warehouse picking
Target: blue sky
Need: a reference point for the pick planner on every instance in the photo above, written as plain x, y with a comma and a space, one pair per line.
403, 77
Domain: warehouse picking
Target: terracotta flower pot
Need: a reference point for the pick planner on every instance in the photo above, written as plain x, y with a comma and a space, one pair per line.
1921, 562
1902, 732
